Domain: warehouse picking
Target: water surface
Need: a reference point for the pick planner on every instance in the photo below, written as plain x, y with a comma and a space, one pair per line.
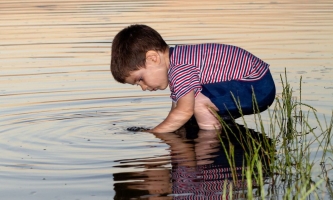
63, 118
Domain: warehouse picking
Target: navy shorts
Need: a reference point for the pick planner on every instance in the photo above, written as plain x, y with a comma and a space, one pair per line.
221, 95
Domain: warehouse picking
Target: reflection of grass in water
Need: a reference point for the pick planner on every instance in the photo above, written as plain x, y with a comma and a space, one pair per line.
280, 164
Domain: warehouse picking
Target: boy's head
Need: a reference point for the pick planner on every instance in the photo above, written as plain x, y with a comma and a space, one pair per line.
129, 48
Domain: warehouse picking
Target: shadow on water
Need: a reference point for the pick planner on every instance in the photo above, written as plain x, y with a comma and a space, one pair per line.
197, 166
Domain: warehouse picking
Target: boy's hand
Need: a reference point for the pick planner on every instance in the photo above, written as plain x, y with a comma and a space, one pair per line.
178, 116
138, 129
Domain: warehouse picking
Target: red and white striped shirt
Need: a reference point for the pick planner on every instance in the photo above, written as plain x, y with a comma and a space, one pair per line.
194, 65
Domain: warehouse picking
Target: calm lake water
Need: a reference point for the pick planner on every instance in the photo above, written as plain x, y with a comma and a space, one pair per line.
63, 124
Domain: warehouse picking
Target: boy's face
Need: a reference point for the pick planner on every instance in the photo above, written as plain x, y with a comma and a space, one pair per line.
154, 76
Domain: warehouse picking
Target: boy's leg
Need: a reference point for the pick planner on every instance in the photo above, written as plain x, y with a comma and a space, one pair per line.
224, 94
203, 114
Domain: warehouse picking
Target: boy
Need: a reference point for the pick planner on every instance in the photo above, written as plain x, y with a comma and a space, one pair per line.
200, 77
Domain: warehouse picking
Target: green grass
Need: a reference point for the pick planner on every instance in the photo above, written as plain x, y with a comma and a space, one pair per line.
293, 160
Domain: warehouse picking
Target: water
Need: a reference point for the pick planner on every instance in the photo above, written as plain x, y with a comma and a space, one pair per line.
63, 118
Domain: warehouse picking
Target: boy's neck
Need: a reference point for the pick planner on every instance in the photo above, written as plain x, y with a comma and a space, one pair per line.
166, 54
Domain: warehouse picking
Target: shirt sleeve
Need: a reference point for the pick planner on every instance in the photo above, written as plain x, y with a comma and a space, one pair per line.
183, 79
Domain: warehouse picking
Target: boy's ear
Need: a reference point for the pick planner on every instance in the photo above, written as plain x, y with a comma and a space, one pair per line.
152, 57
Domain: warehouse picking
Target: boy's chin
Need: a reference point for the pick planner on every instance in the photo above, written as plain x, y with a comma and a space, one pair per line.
163, 88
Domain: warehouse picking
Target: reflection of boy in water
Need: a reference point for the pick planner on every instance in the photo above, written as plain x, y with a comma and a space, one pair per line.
199, 76
205, 177
199, 168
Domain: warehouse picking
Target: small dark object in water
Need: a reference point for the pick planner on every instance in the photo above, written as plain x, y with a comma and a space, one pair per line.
137, 129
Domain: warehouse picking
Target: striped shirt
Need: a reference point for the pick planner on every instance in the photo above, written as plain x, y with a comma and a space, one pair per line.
194, 65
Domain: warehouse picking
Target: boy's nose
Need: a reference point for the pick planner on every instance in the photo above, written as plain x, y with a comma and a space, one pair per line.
143, 87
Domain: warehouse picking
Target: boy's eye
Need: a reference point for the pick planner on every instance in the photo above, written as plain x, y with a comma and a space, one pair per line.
138, 81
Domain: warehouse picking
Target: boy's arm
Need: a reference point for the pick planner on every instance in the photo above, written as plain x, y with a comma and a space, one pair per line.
178, 116
173, 105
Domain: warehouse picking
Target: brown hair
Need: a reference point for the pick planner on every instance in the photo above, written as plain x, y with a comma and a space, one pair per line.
129, 48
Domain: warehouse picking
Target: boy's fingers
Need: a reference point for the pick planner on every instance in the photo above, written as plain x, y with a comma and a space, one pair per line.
138, 129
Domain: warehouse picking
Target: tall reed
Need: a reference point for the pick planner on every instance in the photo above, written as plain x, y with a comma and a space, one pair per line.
284, 163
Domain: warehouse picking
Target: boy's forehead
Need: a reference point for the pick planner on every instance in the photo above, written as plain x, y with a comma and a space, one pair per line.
131, 78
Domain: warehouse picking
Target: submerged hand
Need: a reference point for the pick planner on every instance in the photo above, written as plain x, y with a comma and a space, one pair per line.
138, 129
